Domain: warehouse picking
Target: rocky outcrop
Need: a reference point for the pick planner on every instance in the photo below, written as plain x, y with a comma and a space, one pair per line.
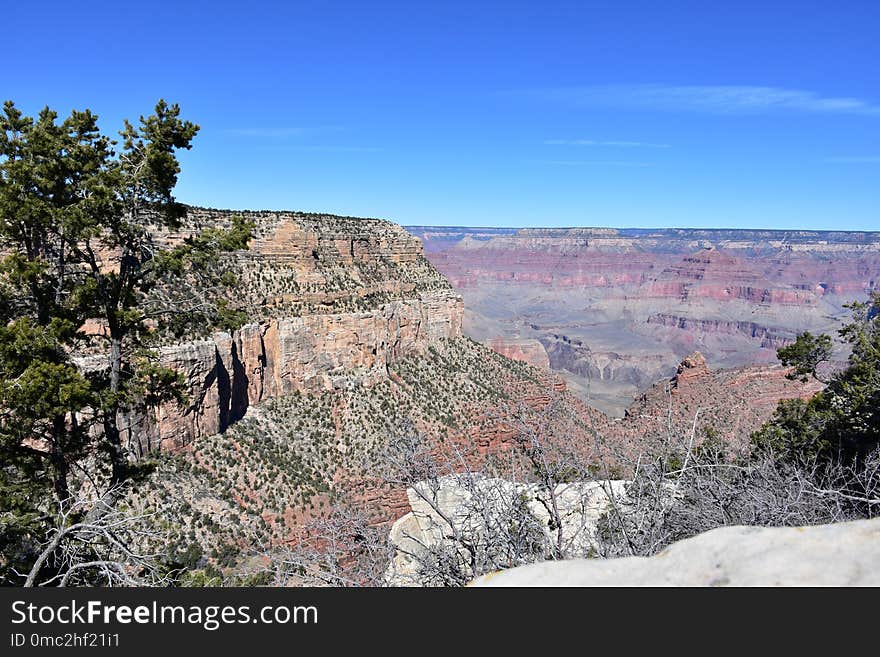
729, 404
230, 373
528, 351
573, 356
843, 554
477, 510
692, 367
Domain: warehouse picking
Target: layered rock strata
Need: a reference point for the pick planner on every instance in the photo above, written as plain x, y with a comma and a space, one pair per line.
229, 373
528, 351
629, 304
334, 300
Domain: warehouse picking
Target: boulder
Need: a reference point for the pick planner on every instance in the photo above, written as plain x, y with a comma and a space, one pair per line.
477, 506
842, 554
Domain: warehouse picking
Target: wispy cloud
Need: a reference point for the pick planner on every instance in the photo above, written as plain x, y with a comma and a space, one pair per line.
593, 142
341, 149
582, 163
719, 99
856, 159
301, 135
284, 132
268, 133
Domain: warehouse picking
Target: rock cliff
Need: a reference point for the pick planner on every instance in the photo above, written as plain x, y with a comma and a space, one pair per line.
353, 339
729, 404
335, 300
768, 338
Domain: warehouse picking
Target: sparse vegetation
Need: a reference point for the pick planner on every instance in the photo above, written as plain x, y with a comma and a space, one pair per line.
101, 268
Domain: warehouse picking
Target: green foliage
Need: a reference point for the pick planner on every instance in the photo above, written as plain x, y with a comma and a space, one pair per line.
795, 430
230, 318
188, 557
713, 446
805, 355
262, 578
226, 555
25, 499
79, 217
843, 420
202, 578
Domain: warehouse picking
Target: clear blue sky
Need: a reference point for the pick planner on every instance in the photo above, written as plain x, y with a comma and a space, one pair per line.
623, 113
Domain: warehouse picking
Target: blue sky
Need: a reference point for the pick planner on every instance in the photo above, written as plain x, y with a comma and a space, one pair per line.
625, 113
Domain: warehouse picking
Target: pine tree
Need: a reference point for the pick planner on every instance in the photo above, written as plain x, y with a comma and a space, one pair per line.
841, 422
82, 225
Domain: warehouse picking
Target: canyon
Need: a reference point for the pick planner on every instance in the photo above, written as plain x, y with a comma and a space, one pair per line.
336, 302
354, 339
618, 309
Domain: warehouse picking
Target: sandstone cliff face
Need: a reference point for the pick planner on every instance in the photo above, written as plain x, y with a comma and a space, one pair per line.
336, 301
694, 367
572, 355
730, 403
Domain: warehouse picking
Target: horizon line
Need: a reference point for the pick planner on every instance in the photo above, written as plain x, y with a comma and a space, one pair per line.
722, 228
569, 227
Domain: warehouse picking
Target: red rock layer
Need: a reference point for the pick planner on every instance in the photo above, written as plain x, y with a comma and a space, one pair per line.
527, 351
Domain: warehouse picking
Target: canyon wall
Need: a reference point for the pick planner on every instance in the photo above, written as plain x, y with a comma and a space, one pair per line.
617, 309
729, 403
334, 302
229, 373
769, 338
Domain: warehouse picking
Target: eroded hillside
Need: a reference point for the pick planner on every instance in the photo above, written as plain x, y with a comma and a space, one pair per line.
353, 338
291, 457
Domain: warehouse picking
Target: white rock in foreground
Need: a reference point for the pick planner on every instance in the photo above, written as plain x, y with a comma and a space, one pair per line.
473, 504
843, 554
